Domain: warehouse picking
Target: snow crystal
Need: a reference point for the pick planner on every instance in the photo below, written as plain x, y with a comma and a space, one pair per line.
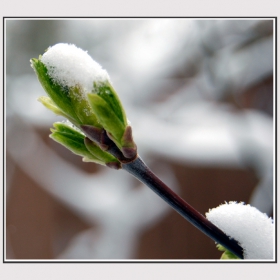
252, 229
68, 123
69, 66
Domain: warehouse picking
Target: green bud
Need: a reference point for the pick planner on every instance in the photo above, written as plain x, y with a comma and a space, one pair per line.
80, 90
107, 118
57, 94
227, 255
107, 106
49, 104
105, 157
70, 102
109, 95
77, 142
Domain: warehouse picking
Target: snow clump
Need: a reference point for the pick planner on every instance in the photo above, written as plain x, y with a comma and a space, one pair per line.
253, 230
70, 66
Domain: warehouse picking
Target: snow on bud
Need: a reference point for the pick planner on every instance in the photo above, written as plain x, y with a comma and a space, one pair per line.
70, 66
253, 230
67, 74
80, 90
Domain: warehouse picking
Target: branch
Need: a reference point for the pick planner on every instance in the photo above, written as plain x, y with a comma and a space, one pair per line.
138, 169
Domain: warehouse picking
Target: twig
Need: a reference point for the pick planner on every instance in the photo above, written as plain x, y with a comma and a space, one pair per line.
140, 170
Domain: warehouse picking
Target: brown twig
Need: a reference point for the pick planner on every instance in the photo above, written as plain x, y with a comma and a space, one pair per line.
138, 169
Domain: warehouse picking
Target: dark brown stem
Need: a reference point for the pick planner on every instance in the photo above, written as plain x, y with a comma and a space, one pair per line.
139, 170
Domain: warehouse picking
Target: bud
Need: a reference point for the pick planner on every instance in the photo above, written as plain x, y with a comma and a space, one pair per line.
107, 107
227, 255
71, 101
79, 144
80, 90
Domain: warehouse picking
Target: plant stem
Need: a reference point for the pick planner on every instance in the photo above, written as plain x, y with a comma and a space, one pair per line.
139, 170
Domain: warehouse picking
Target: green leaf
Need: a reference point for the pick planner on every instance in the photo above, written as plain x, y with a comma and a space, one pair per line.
97, 152
59, 95
67, 130
82, 108
107, 118
109, 95
74, 145
68, 102
77, 142
227, 255
49, 104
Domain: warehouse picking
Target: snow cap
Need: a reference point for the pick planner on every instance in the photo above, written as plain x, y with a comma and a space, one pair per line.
253, 230
69, 66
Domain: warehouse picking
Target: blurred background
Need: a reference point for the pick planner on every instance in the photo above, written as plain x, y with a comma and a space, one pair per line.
199, 96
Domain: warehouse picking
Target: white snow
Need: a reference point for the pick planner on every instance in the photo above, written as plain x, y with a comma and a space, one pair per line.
69, 66
252, 229
68, 123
